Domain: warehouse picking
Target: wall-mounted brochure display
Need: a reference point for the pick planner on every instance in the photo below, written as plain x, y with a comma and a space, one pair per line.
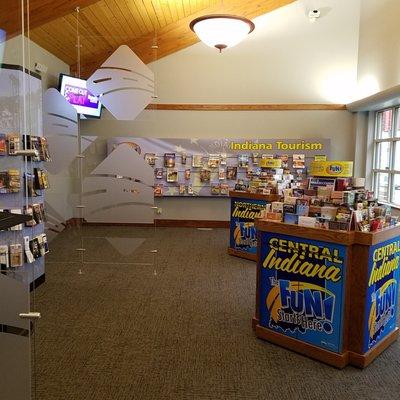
22, 157
213, 167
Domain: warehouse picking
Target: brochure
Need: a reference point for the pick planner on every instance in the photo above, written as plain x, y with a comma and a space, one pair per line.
197, 161
231, 173
159, 173
299, 161
215, 189
205, 175
243, 160
158, 190
150, 158
214, 161
14, 144
16, 258
4, 257
172, 175
224, 189
3, 144
169, 160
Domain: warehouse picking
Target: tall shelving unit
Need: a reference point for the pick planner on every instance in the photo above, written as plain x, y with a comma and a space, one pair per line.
21, 114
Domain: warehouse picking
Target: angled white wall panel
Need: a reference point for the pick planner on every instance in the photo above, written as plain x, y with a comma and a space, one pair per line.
127, 162
108, 199
124, 83
60, 125
118, 190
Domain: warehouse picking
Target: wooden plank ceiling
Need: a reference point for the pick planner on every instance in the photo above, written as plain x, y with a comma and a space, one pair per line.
106, 24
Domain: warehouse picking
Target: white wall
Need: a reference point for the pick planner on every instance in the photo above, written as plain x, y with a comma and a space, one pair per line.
379, 46
285, 60
378, 68
12, 54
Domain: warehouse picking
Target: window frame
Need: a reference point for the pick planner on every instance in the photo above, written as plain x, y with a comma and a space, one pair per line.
393, 141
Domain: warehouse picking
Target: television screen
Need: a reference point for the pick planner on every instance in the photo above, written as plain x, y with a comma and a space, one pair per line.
74, 90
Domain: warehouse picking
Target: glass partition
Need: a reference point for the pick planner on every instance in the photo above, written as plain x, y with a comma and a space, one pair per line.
22, 240
100, 215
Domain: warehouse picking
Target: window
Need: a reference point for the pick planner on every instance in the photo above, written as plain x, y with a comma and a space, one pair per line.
386, 167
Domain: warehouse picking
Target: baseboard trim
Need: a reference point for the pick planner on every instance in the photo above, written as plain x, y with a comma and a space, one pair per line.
117, 224
190, 223
167, 223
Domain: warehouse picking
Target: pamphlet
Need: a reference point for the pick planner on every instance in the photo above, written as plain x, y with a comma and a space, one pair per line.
172, 175
205, 175
159, 173
197, 161
231, 173
169, 160
16, 259
299, 161
150, 158
4, 258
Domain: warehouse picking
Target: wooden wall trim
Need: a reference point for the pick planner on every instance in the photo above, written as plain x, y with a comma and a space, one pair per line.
167, 223
246, 107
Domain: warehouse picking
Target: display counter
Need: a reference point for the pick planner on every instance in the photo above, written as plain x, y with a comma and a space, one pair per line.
330, 295
245, 208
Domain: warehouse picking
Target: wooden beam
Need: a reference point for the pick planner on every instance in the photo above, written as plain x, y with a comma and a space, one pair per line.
177, 36
246, 107
40, 12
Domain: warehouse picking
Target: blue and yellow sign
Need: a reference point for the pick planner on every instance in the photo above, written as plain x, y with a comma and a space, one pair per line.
243, 232
302, 285
383, 282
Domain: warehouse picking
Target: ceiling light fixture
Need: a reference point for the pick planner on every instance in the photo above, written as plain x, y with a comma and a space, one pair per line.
221, 30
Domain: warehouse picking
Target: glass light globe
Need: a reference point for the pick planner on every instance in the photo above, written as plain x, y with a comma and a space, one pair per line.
221, 31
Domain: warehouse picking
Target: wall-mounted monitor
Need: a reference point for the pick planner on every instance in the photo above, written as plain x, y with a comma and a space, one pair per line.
76, 93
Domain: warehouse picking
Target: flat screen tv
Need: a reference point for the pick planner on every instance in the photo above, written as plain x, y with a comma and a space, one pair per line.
76, 93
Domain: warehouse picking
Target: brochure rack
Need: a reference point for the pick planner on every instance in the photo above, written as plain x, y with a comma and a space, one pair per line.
19, 198
245, 208
330, 295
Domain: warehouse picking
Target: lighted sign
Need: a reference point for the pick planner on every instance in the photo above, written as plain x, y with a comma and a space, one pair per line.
76, 93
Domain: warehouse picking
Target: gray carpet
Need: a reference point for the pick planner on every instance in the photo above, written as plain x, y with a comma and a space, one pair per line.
179, 329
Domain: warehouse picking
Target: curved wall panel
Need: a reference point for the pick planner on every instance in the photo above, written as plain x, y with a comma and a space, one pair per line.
124, 83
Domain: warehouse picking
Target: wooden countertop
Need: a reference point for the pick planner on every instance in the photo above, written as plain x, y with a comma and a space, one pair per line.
327, 235
371, 238
324, 235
